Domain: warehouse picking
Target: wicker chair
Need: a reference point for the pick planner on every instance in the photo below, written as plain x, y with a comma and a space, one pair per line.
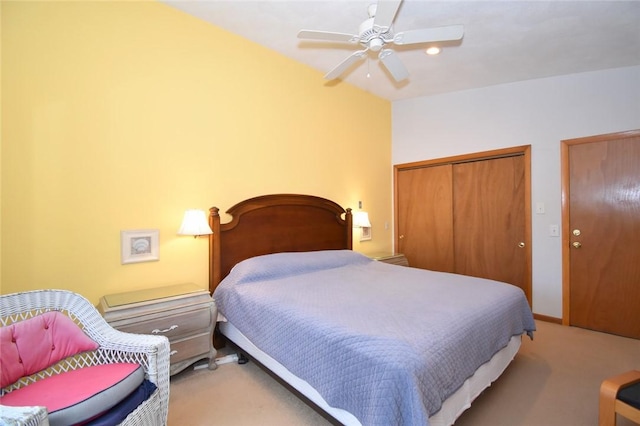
152, 352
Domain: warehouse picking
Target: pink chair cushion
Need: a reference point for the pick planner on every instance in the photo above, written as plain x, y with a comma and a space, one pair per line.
79, 395
29, 346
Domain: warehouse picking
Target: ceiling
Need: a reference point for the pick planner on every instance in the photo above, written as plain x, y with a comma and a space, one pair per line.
504, 41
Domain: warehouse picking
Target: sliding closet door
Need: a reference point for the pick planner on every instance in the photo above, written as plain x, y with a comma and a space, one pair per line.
489, 220
468, 214
424, 217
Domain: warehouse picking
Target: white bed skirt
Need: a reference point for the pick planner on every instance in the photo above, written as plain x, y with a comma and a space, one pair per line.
451, 409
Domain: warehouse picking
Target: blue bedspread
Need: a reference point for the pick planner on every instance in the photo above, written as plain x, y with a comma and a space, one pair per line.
384, 342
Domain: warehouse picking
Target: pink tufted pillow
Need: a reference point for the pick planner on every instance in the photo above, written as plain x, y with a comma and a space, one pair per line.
29, 346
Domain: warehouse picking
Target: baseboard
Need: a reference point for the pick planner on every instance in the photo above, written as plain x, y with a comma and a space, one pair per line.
547, 318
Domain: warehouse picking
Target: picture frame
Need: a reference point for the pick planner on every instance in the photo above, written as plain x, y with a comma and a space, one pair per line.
365, 234
139, 245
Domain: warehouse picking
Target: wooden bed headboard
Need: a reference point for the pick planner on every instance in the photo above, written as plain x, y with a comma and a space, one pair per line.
274, 224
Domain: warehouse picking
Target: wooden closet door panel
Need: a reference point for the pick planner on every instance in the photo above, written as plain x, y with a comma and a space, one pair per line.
425, 220
604, 210
489, 219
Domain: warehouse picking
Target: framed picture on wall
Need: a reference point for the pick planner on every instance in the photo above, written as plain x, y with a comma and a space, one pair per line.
139, 245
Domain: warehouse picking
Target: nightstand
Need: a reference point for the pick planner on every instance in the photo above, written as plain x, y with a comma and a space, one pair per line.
394, 259
185, 313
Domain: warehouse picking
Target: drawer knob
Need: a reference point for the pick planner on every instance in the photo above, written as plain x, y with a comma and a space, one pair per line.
172, 353
158, 331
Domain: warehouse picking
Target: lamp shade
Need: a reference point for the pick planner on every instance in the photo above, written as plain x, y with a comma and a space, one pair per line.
361, 220
194, 223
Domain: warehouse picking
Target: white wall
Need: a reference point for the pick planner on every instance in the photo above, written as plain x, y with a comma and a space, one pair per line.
539, 113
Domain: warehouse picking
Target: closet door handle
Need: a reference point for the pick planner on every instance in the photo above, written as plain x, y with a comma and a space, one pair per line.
521, 244
401, 237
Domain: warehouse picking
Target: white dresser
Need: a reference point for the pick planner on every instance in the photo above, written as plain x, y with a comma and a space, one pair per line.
392, 258
185, 313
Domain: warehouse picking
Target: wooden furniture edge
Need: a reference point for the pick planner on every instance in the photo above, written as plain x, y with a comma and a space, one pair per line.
609, 404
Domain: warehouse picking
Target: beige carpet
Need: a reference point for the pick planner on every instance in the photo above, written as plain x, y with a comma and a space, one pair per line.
554, 380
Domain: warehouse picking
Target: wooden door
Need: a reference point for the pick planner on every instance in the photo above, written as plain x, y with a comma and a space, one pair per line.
602, 236
424, 217
489, 220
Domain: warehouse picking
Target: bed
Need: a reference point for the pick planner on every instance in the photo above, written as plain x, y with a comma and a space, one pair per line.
365, 342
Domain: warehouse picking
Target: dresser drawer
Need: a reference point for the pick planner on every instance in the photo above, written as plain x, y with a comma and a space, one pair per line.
190, 347
171, 325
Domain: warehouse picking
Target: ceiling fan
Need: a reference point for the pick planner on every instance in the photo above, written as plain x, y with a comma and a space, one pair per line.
376, 33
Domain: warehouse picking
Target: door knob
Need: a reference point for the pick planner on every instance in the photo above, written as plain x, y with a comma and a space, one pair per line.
521, 244
576, 232
576, 245
401, 236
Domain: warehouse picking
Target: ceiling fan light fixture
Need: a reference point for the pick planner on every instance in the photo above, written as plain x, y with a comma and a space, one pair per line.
433, 50
375, 44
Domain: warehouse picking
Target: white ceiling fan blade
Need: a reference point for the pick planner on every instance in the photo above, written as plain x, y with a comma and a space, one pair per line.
328, 36
393, 64
430, 35
344, 65
385, 12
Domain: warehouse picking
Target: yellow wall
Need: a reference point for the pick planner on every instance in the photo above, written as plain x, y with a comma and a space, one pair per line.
121, 115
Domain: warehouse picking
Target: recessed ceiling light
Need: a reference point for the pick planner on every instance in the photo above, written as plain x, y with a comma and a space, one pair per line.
433, 50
